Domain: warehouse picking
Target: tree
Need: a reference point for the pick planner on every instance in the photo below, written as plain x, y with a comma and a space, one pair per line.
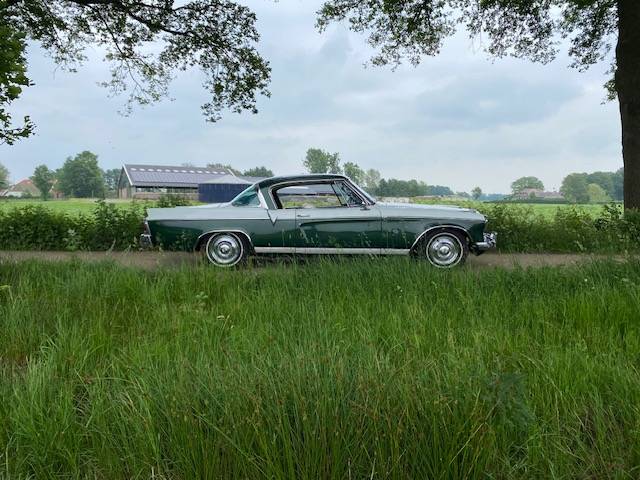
476, 193
439, 190
530, 29
4, 176
574, 188
597, 194
401, 188
526, 182
13, 79
371, 179
618, 185
258, 172
81, 176
43, 179
145, 42
111, 177
604, 180
220, 166
319, 161
354, 172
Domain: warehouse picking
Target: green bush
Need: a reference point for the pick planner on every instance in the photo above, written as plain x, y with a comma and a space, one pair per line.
35, 227
570, 229
168, 201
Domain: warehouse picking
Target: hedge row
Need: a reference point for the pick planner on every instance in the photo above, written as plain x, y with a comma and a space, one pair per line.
520, 229
570, 229
35, 227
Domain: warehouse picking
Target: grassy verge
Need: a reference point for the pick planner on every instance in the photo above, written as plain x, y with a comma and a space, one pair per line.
356, 369
72, 205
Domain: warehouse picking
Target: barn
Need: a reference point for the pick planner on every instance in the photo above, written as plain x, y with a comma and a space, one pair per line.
149, 182
224, 188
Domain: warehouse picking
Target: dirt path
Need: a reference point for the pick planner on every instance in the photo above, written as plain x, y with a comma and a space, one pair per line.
153, 260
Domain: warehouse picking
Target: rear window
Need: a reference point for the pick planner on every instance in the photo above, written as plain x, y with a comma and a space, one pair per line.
247, 198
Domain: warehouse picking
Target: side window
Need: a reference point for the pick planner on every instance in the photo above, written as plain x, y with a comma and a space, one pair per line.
308, 195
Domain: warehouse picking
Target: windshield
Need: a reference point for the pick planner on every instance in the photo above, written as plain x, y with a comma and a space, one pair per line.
366, 195
247, 198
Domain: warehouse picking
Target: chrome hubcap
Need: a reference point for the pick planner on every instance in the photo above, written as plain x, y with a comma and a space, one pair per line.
444, 250
224, 250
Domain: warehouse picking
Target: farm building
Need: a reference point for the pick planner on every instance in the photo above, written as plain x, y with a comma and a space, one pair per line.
224, 188
534, 193
152, 181
25, 189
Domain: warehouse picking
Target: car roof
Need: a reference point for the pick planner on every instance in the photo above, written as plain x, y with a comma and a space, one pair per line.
298, 178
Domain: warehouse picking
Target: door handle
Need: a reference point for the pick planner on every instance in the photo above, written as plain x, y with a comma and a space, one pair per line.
304, 215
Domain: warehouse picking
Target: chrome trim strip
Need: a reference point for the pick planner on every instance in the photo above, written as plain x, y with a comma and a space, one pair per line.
457, 227
332, 251
263, 203
395, 251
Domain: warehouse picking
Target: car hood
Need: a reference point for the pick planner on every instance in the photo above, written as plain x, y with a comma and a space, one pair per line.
423, 210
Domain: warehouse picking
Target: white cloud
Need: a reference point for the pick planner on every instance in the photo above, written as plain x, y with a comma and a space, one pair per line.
458, 119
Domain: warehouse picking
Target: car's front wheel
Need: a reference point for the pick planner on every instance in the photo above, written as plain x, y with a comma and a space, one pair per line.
225, 249
445, 249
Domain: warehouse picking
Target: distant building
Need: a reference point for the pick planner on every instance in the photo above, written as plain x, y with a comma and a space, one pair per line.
152, 181
224, 188
537, 194
24, 188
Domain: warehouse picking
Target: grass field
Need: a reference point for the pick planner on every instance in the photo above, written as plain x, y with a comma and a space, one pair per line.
353, 369
546, 210
73, 205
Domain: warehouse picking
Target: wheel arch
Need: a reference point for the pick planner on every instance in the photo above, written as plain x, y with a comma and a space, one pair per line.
202, 239
440, 228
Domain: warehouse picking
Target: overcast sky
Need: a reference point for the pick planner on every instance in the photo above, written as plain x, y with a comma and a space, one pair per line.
459, 119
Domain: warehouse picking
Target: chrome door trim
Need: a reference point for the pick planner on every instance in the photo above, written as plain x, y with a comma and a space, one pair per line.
263, 203
333, 251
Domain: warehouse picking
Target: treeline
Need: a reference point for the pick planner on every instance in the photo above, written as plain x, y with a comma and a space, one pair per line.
320, 161
82, 177
409, 188
596, 187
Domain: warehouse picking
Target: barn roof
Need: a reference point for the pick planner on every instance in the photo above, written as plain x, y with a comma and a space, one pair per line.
235, 179
170, 176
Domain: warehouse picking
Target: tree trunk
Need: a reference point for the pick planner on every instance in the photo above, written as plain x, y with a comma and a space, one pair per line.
628, 88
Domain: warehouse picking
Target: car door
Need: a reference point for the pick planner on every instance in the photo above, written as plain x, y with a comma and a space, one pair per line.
330, 216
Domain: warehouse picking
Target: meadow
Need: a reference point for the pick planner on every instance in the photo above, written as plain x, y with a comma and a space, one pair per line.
359, 368
71, 205
546, 210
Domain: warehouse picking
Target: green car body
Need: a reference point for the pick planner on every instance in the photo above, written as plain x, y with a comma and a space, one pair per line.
358, 225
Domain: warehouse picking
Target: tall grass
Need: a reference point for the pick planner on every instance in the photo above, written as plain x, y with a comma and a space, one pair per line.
354, 369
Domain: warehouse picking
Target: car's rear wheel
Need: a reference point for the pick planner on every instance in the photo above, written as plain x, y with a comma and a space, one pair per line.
445, 249
226, 249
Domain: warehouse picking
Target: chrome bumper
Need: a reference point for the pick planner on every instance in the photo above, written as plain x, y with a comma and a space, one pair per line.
490, 241
145, 240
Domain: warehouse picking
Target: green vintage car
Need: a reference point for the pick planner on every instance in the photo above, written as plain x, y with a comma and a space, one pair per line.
318, 214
